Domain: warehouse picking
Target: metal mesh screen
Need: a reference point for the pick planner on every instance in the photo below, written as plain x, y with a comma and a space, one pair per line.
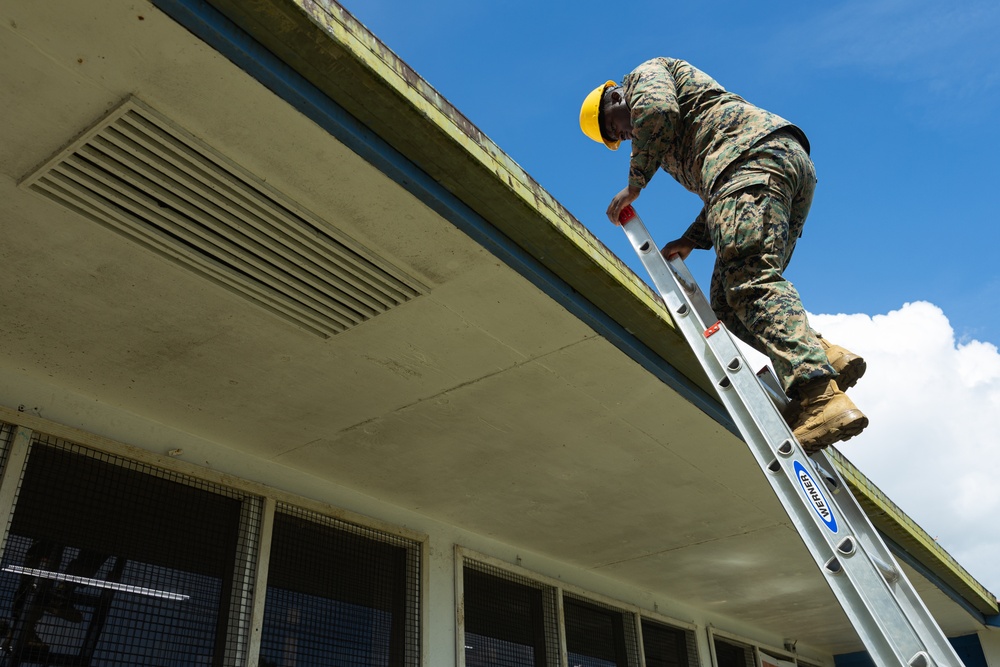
113, 562
729, 654
510, 621
666, 646
339, 594
598, 635
6, 432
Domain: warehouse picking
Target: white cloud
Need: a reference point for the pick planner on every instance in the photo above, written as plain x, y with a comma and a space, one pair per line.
933, 445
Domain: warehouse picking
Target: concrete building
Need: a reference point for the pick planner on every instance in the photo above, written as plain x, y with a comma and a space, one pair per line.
297, 367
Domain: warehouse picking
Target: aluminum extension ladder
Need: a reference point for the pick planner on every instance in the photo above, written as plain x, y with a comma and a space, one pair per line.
879, 600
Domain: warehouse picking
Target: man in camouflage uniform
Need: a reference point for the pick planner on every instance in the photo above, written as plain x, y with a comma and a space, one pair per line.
752, 170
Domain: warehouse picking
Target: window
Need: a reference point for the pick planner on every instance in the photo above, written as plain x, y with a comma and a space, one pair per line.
512, 620
339, 594
506, 620
112, 562
595, 635
729, 654
665, 646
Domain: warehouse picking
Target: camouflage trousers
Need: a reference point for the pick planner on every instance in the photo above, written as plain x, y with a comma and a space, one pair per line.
755, 217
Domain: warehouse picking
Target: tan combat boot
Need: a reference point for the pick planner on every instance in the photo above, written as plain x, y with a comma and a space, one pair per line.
826, 416
849, 366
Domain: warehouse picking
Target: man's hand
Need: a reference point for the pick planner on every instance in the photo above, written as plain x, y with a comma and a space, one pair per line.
681, 247
621, 200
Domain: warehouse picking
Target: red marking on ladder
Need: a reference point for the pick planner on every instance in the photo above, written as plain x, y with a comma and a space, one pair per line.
627, 214
712, 329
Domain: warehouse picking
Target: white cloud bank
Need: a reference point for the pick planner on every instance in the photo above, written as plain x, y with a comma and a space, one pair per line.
933, 445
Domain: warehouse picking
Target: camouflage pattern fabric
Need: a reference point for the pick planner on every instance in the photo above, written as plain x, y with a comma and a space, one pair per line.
686, 123
754, 230
752, 170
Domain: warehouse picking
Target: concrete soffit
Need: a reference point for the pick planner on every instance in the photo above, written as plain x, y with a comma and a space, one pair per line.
329, 48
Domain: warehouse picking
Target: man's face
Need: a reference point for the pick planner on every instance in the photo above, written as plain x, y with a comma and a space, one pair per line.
616, 123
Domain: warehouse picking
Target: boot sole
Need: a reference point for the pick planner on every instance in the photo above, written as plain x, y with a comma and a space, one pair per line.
850, 373
844, 427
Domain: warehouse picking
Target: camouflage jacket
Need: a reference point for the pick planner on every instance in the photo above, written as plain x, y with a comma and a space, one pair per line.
686, 123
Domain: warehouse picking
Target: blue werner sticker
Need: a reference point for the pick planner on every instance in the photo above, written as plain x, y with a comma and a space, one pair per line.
815, 495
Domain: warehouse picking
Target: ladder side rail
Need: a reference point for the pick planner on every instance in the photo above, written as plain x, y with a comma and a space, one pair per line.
877, 614
873, 547
920, 617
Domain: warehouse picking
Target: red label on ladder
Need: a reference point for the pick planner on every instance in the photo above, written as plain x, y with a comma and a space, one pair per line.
627, 214
713, 329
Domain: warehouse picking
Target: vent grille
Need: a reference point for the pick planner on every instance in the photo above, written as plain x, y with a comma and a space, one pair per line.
138, 174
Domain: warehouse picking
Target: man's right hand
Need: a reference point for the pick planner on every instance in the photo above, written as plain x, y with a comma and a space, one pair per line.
621, 200
681, 247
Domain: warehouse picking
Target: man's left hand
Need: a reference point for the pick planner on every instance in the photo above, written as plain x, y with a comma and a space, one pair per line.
681, 247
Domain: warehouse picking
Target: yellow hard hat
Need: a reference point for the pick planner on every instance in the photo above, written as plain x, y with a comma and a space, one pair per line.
590, 114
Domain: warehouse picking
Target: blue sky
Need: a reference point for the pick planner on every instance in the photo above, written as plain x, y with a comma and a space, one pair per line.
899, 99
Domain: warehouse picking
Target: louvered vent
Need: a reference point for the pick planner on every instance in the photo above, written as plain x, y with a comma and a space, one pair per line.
143, 177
